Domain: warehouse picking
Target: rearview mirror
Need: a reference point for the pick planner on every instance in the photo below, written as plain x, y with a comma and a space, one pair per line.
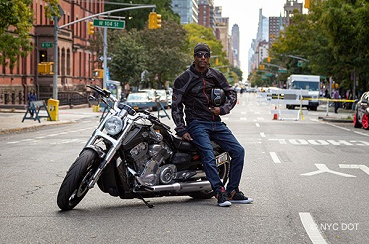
93, 100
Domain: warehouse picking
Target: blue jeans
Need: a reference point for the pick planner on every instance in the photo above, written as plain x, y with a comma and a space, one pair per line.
202, 132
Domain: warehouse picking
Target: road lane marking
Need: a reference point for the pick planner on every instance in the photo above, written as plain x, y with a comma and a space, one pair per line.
262, 134
275, 158
311, 228
361, 133
322, 168
340, 127
257, 125
355, 166
322, 142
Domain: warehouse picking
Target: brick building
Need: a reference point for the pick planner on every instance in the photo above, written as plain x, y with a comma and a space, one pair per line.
76, 62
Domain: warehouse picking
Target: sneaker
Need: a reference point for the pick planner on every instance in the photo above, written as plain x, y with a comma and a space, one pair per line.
223, 200
237, 196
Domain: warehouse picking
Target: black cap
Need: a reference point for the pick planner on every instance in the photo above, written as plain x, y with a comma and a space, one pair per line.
201, 47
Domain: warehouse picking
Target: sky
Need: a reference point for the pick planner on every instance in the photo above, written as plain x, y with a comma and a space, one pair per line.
245, 13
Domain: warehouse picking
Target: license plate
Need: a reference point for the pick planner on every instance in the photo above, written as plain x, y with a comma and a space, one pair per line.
221, 158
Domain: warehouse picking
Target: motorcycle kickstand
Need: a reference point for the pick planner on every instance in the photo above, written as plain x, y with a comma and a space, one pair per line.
146, 202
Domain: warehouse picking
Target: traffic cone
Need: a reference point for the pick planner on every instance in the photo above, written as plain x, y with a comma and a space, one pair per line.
275, 115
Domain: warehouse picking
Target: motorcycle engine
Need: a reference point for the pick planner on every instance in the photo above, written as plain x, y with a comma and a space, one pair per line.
148, 159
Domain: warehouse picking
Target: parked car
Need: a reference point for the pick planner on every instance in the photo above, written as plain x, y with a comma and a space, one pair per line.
361, 115
152, 93
140, 101
163, 97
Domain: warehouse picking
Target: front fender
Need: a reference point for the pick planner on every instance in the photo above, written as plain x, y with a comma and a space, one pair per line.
97, 149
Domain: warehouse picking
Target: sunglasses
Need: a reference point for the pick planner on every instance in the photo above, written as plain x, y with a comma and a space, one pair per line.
201, 54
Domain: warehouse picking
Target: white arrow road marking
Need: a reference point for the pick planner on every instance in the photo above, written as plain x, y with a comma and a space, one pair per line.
322, 168
355, 166
311, 228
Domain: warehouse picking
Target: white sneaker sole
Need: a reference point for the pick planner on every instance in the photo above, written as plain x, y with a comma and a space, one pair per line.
225, 204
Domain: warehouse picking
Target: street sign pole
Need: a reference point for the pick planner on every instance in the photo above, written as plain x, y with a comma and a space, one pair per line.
55, 76
105, 45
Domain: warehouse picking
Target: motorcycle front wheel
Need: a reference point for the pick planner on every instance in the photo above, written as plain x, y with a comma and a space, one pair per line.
75, 184
223, 171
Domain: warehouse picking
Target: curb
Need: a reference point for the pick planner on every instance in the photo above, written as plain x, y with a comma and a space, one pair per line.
336, 120
33, 127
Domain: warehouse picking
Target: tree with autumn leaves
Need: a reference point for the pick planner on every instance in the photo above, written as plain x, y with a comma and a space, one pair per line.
332, 37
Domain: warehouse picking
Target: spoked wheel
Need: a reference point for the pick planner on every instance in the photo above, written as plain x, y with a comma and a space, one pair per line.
75, 184
365, 121
223, 170
357, 124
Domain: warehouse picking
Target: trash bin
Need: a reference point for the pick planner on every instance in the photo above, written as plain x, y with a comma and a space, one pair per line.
95, 108
53, 108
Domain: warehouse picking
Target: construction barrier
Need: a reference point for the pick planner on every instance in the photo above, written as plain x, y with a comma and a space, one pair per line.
34, 111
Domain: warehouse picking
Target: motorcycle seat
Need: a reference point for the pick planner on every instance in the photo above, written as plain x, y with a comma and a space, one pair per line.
182, 145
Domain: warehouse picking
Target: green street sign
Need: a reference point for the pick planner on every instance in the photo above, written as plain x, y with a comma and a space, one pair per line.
282, 71
268, 75
115, 24
46, 44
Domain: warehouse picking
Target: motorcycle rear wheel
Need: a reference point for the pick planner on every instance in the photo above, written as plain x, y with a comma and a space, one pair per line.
223, 174
75, 185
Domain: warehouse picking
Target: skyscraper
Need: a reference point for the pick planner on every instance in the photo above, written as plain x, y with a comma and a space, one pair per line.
187, 10
206, 14
236, 46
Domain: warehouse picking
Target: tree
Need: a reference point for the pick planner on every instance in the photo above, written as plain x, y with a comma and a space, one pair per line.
198, 33
238, 72
137, 18
166, 52
128, 59
16, 22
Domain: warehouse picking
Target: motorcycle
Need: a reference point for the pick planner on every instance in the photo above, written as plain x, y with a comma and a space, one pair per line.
134, 155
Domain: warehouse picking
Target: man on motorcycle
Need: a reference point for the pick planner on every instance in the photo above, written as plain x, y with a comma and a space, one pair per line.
192, 95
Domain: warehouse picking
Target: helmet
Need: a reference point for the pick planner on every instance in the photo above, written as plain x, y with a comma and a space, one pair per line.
217, 97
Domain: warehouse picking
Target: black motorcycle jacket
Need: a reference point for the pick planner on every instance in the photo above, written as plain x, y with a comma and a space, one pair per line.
191, 94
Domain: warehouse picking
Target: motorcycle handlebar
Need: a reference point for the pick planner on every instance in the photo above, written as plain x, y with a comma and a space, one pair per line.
104, 93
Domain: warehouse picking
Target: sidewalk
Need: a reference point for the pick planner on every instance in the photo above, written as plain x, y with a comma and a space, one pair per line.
11, 121
343, 115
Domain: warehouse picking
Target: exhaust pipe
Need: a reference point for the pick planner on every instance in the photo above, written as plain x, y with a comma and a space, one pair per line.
183, 187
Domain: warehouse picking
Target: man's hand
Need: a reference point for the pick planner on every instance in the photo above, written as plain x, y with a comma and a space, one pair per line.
215, 110
187, 137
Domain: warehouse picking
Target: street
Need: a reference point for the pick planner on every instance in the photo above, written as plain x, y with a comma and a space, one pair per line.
308, 178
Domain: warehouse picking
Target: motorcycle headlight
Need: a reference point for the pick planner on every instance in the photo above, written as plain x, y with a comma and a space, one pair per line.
113, 125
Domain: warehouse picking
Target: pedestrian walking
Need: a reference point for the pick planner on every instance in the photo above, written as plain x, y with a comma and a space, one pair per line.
337, 104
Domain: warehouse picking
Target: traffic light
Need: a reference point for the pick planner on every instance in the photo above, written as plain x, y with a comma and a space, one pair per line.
152, 18
90, 28
98, 73
158, 21
261, 66
45, 68
307, 4
268, 58
216, 61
